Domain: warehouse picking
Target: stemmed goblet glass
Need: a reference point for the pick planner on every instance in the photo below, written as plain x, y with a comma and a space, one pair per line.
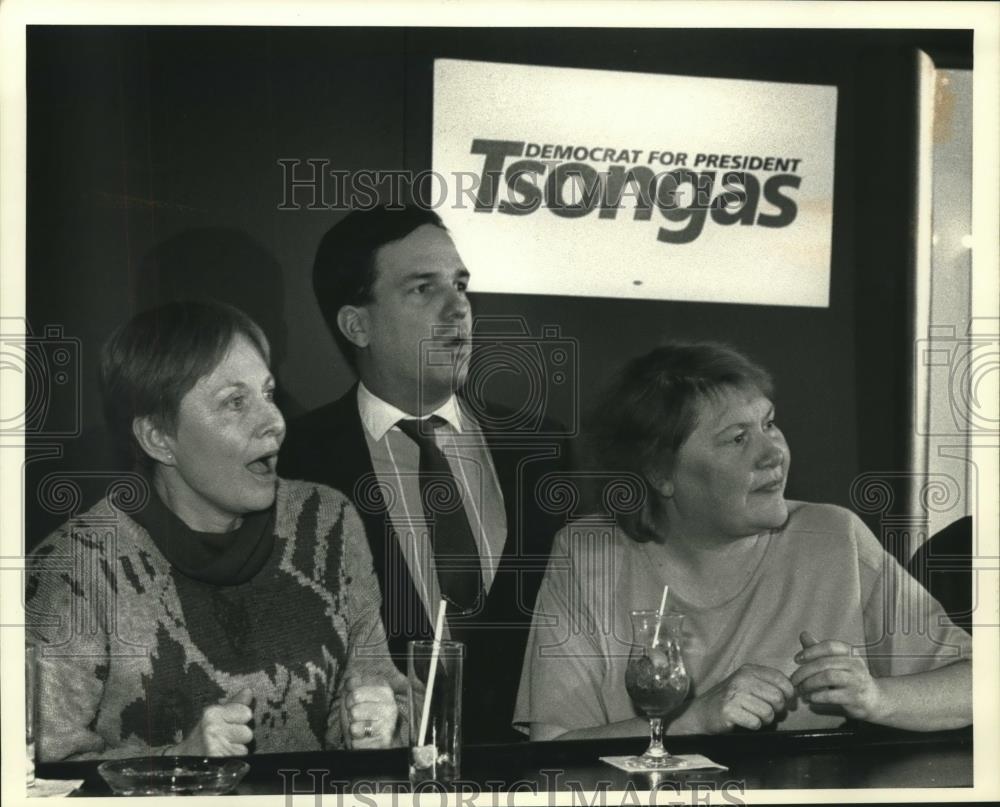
656, 678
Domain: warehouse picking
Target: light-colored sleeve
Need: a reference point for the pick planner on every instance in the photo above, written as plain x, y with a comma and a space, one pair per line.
69, 589
906, 629
367, 651
72, 652
564, 665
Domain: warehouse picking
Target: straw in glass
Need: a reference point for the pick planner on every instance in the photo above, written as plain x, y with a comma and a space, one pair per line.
660, 613
435, 651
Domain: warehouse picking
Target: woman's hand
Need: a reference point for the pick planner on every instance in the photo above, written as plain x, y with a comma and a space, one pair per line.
750, 698
829, 674
222, 730
369, 713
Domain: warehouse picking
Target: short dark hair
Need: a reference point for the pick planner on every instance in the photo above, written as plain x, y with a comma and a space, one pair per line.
152, 361
344, 269
651, 408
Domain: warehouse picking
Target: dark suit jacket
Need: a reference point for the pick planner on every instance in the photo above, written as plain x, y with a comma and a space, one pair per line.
943, 564
328, 446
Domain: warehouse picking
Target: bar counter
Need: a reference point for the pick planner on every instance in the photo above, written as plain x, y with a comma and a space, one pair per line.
840, 758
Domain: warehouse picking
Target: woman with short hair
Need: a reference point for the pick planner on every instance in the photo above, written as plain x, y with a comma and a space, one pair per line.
795, 617
232, 609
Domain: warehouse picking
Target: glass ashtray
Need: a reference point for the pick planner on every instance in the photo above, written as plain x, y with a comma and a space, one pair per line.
173, 776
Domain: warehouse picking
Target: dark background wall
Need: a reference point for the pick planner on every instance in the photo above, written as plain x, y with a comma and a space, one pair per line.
153, 172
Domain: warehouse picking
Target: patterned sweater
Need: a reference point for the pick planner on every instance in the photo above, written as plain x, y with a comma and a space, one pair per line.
135, 651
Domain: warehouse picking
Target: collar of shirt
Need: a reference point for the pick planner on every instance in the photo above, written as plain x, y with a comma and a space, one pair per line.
379, 416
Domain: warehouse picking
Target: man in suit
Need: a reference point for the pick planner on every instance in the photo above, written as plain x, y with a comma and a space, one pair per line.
392, 288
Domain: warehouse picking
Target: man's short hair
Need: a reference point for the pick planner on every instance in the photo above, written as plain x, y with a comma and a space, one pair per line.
152, 361
344, 269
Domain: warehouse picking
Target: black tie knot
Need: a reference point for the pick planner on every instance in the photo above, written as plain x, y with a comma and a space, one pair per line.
421, 431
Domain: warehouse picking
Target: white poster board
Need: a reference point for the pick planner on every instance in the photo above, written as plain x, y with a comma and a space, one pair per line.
613, 184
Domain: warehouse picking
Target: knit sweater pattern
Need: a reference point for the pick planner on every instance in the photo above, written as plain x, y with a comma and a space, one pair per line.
134, 650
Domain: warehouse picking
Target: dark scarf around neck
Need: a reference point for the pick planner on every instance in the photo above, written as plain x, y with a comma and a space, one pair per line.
219, 558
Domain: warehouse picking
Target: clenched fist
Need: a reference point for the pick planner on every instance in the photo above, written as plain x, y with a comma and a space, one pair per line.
222, 730
369, 713
751, 698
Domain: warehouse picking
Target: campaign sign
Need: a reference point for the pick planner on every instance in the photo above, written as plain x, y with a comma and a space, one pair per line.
615, 184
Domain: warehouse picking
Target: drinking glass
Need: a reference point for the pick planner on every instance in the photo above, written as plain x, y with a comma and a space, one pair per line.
438, 759
656, 678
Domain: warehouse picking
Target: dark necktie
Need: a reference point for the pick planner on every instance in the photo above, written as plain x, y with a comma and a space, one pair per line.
455, 553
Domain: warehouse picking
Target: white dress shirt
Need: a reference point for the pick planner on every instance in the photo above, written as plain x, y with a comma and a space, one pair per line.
396, 462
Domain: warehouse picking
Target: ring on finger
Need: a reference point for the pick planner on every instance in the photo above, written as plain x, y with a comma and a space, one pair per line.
369, 730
